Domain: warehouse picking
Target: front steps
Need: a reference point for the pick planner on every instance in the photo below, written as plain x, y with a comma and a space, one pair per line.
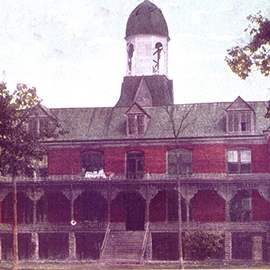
123, 247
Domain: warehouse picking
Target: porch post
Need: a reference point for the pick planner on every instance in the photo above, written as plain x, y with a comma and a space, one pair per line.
35, 241
228, 246
257, 249
72, 246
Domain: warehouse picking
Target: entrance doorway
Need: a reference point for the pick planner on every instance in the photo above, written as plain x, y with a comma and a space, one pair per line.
135, 212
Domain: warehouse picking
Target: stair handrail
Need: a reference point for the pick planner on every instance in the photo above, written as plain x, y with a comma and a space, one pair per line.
145, 238
105, 240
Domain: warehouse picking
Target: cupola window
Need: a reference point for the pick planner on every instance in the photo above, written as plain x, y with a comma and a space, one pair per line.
157, 57
130, 55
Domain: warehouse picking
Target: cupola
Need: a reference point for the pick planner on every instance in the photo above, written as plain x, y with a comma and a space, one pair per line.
147, 39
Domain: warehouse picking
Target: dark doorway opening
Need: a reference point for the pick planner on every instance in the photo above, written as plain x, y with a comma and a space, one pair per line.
25, 246
135, 212
165, 246
53, 246
242, 246
88, 245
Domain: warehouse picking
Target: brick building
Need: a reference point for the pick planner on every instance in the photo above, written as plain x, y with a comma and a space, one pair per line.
108, 187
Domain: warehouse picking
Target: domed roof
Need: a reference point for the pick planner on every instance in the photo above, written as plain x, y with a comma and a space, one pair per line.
147, 19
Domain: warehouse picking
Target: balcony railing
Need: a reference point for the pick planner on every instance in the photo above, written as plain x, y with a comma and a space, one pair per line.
195, 177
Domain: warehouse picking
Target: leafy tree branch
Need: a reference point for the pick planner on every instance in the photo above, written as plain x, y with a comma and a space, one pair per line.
256, 54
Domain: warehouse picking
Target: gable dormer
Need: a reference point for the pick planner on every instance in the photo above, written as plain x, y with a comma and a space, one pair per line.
40, 121
136, 121
240, 118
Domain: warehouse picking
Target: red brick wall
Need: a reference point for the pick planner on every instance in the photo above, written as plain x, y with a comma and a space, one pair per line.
64, 162
260, 159
154, 159
260, 207
209, 207
207, 158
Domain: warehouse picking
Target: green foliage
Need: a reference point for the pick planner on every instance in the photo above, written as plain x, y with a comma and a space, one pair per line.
256, 52
204, 244
18, 148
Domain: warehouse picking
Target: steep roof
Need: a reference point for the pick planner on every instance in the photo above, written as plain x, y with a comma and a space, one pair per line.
147, 19
158, 86
204, 120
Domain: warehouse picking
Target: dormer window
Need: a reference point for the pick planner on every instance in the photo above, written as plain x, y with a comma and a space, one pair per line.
239, 122
136, 121
38, 126
240, 117
136, 125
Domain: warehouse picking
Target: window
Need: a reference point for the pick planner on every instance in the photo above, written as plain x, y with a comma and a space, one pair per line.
136, 121
180, 162
40, 126
92, 162
239, 122
157, 56
135, 165
130, 55
239, 161
136, 124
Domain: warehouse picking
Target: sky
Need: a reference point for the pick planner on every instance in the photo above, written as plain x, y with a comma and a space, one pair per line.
74, 51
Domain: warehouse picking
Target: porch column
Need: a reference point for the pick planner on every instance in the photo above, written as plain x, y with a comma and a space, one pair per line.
188, 212
35, 241
228, 246
34, 195
109, 194
227, 193
71, 195
257, 249
148, 193
227, 211
72, 246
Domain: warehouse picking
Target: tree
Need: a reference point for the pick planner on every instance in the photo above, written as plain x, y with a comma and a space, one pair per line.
241, 59
19, 148
180, 120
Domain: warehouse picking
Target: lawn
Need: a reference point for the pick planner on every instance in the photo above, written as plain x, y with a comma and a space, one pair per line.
150, 266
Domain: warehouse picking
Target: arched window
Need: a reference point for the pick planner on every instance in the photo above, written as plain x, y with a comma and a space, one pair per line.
180, 162
157, 56
91, 162
239, 160
130, 55
135, 165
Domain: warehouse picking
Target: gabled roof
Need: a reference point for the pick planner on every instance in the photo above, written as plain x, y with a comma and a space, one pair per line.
40, 111
239, 105
143, 96
136, 109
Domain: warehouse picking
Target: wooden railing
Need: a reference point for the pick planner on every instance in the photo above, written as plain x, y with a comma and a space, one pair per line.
144, 244
105, 240
146, 177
